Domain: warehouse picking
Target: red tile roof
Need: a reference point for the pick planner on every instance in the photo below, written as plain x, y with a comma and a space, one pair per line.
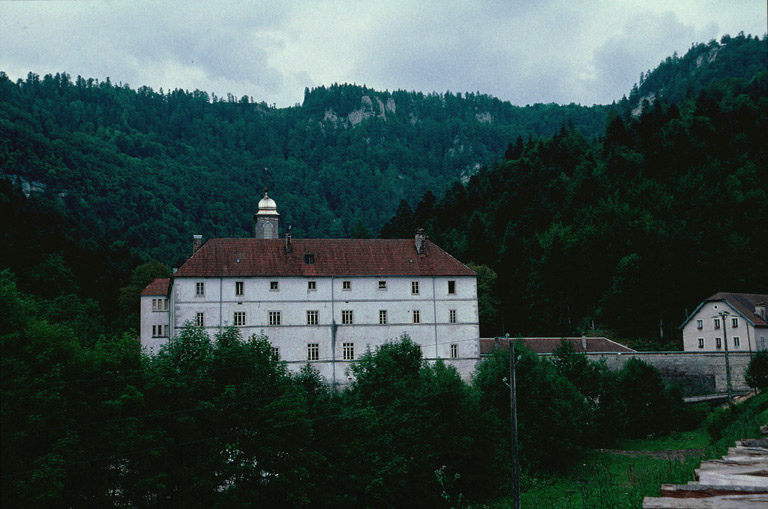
745, 304
549, 345
158, 286
332, 257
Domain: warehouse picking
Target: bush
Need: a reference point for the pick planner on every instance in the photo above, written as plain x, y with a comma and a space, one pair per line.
757, 371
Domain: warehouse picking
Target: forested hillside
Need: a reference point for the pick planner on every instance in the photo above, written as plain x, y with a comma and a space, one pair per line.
664, 210
151, 168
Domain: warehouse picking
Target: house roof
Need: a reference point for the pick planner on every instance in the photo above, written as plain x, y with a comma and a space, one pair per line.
743, 303
158, 286
331, 257
549, 345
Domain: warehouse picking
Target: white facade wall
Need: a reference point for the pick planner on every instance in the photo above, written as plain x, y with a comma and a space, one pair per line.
749, 337
152, 317
293, 298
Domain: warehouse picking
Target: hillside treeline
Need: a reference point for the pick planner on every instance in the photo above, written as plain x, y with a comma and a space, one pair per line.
221, 422
627, 233
151, 168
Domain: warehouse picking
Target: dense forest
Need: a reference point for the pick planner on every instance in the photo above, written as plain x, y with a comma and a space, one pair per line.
151, 168
668, 207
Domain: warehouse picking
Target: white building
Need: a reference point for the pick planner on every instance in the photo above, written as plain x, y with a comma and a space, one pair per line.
739, 318
322, 301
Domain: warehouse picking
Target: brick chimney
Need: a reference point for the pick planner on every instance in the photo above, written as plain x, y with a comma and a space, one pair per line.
197, 243
421, 241
288, 245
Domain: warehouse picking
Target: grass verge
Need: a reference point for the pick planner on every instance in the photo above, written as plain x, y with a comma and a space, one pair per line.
622, 477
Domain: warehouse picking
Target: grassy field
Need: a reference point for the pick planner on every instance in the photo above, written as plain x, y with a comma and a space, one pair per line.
621, 477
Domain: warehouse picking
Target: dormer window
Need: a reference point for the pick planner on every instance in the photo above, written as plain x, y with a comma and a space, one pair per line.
309, 258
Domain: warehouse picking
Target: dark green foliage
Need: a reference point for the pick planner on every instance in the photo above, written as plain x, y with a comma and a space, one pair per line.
129, 299
63, 264
627, 232
552, 414
488, 304
649, 406
417, 419
757, 371
150, 169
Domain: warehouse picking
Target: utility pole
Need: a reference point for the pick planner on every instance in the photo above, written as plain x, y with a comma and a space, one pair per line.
513, 408
724, 316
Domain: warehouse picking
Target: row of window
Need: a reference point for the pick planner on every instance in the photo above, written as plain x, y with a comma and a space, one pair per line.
348, 351
716, 323
347, 317
312, 285
719, 342
159, 304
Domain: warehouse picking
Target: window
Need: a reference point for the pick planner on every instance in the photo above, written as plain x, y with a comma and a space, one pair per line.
382, 285
348, 351
312, 317
454, 351
159, 331
736, 342
159, 304
239, 285
239, 318
273, 286
718, 343
346, 317
311, 285
451, 287
276, 352
699, 324
313, 351
382, 316
200, 319
309, 258
452, 316
762, 342
414, 287
200, 289
416, 316
274, 318
734, 322
717, 323
701, 342
346, 285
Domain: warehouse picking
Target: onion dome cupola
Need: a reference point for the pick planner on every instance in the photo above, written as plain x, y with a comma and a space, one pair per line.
266, 218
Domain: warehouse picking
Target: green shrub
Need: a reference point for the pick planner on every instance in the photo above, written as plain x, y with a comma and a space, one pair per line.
757, 371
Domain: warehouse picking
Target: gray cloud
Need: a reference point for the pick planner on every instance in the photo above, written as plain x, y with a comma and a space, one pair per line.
549, 51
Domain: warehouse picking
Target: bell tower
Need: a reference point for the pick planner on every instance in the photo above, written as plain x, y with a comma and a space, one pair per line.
266, 218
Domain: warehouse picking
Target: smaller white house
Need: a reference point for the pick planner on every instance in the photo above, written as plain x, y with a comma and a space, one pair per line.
736, 321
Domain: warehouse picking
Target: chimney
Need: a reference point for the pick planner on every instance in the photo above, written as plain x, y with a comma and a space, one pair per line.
197, 243
421, 241
760, 310
288, 246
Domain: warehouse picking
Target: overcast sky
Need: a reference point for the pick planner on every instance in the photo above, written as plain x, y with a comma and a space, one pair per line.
524, 51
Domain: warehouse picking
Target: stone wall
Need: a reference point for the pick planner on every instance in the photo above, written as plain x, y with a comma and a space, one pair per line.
696, 373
